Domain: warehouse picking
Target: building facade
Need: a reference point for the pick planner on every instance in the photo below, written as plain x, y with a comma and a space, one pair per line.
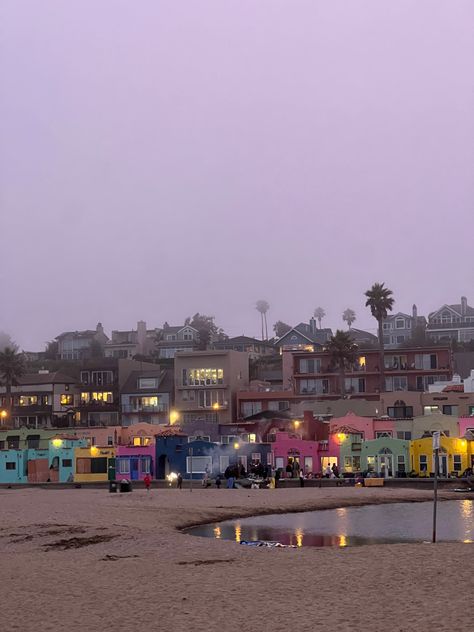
399, 328
78, 345
452, 322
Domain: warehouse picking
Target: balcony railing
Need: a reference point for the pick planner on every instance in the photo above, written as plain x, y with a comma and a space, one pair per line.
30, 410
132, 408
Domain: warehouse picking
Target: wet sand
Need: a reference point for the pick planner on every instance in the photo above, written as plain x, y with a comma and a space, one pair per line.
76, 560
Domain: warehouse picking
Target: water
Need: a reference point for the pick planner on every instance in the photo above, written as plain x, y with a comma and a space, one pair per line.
352, 526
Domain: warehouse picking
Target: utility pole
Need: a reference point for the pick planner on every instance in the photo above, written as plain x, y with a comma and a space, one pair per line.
436, 445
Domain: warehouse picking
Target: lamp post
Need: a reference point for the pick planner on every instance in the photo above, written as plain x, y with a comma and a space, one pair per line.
436, 445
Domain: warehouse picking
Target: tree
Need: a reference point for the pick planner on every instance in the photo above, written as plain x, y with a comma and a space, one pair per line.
319, 314
12, 367
207, 328
96, 350
343, 353
380, 300
280, 328
349, 316
51, 351
263, 307
5, 341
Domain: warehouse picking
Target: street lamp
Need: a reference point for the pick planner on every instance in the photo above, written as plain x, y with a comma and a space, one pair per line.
174, 417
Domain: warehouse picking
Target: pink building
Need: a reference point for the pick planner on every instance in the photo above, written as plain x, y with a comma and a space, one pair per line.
134, 462
137, 434
288, 447
466, 424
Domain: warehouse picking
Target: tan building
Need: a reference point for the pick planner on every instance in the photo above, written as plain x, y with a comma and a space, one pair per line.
207, 383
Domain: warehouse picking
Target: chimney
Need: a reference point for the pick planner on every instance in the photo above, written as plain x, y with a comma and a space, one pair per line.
312, 325
415, 312
141, 336
99, 329
463, 305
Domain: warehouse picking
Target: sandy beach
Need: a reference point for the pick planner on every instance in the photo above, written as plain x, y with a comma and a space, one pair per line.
82, 559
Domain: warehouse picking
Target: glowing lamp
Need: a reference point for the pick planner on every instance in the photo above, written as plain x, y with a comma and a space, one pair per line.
215, 406
3, 414
296, 424
174, 417
57, 443
94, 450
236, 446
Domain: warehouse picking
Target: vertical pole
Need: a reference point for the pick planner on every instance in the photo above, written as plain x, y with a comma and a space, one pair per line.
191, 468
435, 491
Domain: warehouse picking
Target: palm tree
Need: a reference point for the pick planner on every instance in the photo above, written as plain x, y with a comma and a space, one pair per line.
349, 316
319, 314
263, 307
380, 300
11, 369
343, 353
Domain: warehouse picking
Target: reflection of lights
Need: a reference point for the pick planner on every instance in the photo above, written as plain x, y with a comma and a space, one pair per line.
466, 508
238, 532
299, 537
217, 533
341, 511
342, 540
467, 541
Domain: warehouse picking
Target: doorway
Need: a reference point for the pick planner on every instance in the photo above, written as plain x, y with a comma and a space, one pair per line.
163, 468
442, 465
385, 465
134, 474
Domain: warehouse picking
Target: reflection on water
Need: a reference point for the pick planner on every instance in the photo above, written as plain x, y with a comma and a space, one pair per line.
376, 524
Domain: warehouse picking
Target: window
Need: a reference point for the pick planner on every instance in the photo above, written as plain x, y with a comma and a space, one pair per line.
170, 337
203, 377
386, 326
457, 462
386, 340
250, 408
450, 410
207, 399
426, 361
226, 439
400, 463
28, 400
382, 434
99, 465
124, 466
404, 434
400, 411
188, 396
145, 464
85, 376
355, 384
395, 362
371, 463
33, 441
199, 437
430, 410
400, 339
281, 405
10, 465
66, 399
352, 464
101, 378
110, 440
67, 462
97, 397
310, 366
256, 458
314, 386
400, 323
396, 383
199, 464
148, 382
423, 463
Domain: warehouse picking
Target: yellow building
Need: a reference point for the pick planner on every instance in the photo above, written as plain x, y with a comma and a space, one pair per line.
93, 465
454, 456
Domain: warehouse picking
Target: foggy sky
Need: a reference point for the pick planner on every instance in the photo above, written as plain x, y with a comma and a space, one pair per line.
162, 158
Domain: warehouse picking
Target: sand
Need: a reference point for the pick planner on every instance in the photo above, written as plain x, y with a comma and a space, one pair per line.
78, 560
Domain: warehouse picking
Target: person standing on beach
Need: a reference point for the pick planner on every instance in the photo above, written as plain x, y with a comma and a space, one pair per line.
179, 481
147, 481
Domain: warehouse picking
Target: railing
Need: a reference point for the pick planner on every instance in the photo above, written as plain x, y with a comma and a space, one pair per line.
29, 410
131, 408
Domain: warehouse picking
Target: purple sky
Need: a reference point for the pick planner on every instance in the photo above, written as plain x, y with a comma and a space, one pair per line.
162, 158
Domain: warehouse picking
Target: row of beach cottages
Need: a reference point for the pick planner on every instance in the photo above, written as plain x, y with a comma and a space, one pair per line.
353, 443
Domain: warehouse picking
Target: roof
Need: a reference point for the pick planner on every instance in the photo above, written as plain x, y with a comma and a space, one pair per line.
56, 377
131, 384
85, 333
170, 431
454, 388
457, 307
318, 336
268, 414
175, 329
359, 335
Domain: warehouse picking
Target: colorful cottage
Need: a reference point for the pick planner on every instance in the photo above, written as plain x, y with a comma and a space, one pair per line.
93, 465
288, 447
135, 462
455, 456
13, 466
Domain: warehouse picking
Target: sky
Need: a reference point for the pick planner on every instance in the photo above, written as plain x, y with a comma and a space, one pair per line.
160, 158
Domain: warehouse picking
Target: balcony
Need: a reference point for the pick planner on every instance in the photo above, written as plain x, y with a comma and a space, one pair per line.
97, 405
36, 409
132, 408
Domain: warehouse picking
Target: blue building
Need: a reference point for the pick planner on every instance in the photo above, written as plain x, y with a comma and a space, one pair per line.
176, 454
13, 466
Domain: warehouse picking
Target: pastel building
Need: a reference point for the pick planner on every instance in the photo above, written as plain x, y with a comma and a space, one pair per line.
385, 456
13, 466
455, 456
135, 462
94, 464
289, 447
61, 457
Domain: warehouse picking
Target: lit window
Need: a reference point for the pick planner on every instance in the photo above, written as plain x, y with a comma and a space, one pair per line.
67, 400
28, 400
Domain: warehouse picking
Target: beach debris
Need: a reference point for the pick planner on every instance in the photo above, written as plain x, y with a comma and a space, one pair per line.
114, 558
268, 544
77, 543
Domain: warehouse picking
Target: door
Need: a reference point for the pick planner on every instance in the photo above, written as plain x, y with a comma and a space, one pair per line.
442, 465
308, 464
134, 469
386, 465
111, 469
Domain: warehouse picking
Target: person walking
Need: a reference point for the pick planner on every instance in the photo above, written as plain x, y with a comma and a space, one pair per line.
147, 481
179, 481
